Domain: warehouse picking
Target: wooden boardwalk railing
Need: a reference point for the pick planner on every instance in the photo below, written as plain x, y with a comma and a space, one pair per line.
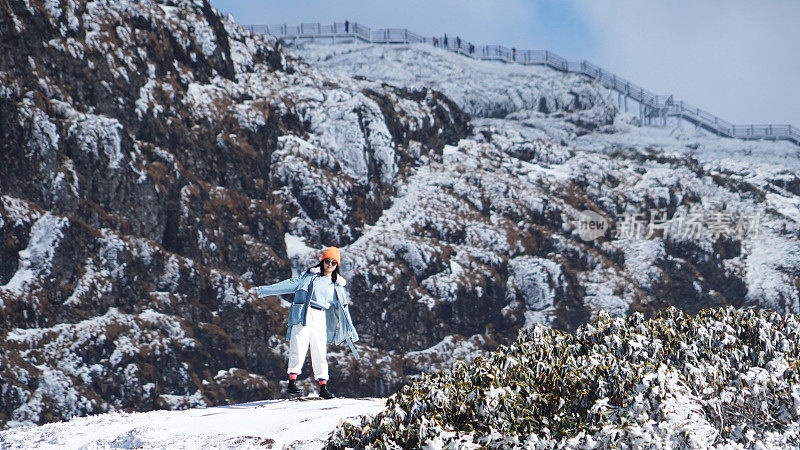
654, 108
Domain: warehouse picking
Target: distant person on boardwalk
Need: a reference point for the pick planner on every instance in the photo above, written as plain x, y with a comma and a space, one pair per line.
435, 42
445, 41
346, 26
458, 42
514, 53
319, 315
471, 48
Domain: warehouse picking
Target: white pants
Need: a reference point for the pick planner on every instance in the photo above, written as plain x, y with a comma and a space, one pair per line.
313, 334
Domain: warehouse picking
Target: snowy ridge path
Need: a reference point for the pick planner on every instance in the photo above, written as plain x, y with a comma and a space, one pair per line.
262, 424
652, 108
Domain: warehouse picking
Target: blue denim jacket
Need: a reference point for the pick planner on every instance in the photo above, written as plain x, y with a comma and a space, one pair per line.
337, 318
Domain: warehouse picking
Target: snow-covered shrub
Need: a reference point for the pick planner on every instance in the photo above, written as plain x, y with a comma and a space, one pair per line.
724, 376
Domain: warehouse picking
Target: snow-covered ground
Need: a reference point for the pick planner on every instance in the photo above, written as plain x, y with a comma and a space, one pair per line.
263, 424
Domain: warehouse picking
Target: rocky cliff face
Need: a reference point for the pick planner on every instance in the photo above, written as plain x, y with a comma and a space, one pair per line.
154, 155
158, 161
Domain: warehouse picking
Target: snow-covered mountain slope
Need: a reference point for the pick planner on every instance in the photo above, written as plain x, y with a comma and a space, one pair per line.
154, 156
537, 94
516, 188
263, 424
483, 89
157, 161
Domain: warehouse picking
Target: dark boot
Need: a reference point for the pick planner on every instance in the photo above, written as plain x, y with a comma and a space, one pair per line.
324, 392
293, 389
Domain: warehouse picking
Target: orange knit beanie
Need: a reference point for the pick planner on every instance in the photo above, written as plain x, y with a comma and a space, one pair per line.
332, 253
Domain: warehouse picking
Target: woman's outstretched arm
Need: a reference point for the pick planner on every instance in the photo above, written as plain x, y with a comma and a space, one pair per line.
281, 287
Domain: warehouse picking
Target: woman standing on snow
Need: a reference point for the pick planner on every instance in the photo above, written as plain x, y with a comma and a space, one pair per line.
319, 315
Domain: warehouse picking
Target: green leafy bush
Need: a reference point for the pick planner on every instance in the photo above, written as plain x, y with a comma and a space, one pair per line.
724, 376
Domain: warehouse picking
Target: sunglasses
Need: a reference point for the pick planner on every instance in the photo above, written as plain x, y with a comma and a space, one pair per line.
330, 262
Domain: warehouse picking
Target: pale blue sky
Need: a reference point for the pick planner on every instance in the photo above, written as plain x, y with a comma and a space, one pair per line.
734, 58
